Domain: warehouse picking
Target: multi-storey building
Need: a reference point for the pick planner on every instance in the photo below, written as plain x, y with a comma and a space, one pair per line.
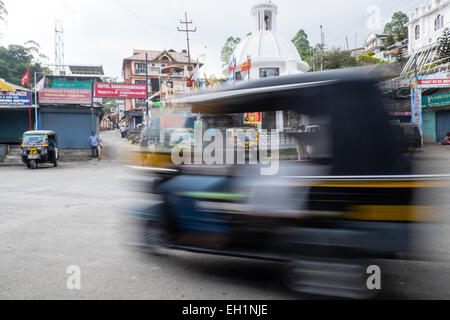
170, 84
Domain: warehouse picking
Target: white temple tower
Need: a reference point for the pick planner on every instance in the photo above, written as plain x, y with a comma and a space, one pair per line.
271, 54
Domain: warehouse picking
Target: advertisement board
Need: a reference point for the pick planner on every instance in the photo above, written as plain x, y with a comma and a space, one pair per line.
252, 118
416, 104
117, 90
18, 99
436, 100
65, 96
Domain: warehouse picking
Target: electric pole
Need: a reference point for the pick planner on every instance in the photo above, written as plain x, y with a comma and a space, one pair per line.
322, 46
187, 30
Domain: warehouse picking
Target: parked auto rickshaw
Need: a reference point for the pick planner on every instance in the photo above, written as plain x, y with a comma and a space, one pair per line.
39, 146
326, 218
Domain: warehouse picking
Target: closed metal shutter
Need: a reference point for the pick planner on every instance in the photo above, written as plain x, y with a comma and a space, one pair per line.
73, 129
13, 123
442, 124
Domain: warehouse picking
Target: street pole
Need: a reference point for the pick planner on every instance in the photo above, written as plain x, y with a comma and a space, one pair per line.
36, 118
187, 30
146, 92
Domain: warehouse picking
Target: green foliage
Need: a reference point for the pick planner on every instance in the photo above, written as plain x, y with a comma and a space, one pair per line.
336, 58
228, 49
366, 60
3, 11
15, 59
390, 41
444, 45
396, 26
301, 42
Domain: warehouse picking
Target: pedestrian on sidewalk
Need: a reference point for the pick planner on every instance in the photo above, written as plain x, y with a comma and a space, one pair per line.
93, 141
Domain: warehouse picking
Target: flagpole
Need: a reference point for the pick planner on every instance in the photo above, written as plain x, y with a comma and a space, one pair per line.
35, 104
29, 110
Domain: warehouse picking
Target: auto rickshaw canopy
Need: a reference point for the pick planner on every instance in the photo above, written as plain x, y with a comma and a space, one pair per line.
361, 135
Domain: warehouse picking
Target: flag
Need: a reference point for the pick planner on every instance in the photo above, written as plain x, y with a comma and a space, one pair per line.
232, 64
26, 77
194, 76
40, 85
246, 65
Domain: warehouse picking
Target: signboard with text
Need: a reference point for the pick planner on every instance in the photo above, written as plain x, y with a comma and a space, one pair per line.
65, 96
416, 104
252, 118
117, 90
436, 100
13, 99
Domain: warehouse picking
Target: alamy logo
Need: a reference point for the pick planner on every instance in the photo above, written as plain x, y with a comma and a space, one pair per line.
211, 147
374, 280
74, 279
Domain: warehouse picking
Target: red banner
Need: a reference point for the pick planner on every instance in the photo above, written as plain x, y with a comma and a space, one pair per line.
118, 90
423, 82
252, 118
65, 96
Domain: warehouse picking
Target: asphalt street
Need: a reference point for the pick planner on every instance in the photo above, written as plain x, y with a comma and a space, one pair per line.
54, 218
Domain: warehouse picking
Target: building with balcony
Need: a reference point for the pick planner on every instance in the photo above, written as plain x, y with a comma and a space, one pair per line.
426, 24
169, 85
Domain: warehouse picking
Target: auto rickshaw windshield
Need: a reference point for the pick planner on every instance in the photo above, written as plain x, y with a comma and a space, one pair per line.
34, 140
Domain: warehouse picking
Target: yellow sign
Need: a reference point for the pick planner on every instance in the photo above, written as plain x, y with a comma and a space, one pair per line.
33, 152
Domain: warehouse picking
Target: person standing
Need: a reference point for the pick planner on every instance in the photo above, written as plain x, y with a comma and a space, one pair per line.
93, 141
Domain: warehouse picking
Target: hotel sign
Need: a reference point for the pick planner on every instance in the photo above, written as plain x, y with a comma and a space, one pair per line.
118, 90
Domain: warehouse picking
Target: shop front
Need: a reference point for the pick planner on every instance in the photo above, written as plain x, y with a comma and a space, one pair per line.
16, 115
436, 116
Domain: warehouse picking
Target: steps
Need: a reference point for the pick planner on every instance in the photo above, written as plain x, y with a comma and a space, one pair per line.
13, 156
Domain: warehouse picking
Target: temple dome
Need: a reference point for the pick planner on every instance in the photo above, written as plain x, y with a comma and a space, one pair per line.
266, 47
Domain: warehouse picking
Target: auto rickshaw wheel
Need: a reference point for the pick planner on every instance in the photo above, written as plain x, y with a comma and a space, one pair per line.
55, 163
28, 164
33, 164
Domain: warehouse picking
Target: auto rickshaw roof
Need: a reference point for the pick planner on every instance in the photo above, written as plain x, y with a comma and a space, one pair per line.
276, 93
47, 132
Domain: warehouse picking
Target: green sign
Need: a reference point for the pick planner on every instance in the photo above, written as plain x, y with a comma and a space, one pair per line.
436, 100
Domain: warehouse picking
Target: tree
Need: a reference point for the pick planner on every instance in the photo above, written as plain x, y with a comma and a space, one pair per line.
396, 26
3, 11
15, 59
228, 49
444, 45
336, 58
301, 42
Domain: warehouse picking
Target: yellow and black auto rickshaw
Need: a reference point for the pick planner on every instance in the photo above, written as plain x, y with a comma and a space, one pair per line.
39, 146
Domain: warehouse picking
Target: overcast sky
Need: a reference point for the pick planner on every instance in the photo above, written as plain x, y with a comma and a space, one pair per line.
106, 31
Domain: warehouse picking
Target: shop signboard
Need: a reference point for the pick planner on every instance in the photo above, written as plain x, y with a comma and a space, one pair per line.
436, 80
436, 100
65, 96
15, 99
252, 118
416, 104
118, 90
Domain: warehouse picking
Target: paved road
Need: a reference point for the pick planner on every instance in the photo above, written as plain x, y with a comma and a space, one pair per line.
52, 218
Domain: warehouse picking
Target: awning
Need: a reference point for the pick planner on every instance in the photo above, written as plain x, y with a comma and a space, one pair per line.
5, 87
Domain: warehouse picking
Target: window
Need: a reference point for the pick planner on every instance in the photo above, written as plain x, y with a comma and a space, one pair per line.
417, 32
439, 22
139, 103
139, 68
269, 72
